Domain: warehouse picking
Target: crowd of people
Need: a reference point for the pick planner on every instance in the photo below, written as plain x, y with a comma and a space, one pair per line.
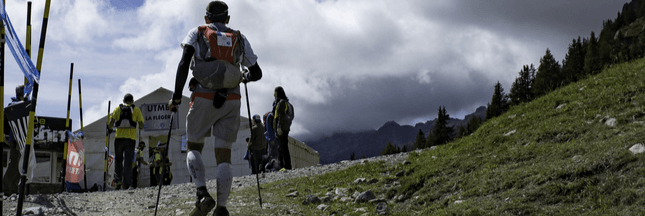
215, 54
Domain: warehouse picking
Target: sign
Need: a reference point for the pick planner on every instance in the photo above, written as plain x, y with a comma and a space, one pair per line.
50, 133
75, 160
157, 117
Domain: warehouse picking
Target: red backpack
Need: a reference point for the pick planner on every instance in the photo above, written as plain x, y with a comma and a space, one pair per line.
222, 58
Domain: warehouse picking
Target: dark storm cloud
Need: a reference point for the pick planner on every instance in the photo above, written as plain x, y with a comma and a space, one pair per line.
369, 103
553, 22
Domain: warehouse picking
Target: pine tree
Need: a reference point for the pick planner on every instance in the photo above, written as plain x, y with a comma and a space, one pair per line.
499, 104
441, 133
461, 132
574, 61
592, 62
352, 156
473, 124
548, 76
420, 142
404, 149
389, 149
521, 89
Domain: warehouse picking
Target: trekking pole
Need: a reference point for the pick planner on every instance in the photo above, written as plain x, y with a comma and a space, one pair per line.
248, 108
163, 161
107, 146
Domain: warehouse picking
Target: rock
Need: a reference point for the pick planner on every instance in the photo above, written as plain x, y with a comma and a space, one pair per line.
345, 199
381, 208
560, 106
401, 198
400, 173
406, 162
311, 199
577, 158
293, 194
365, 196
372, 181
510, 133
326, 199
322, 207
637, 149
359, 180
433, 147
377, 201
611, 122
341, 191
511, 116
458, 201
32, 211
360, 210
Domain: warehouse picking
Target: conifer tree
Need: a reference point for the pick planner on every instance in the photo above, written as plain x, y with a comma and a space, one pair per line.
592, 62
352, 156
461, 132
420, 142
521, 89
574, 61
441, 133
548, 76
499, 103
389, 149
404, 149
473, 125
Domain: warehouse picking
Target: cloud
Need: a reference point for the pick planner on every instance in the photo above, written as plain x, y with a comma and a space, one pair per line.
347, 65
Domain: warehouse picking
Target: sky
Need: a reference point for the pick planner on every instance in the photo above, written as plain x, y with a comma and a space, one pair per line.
346, 65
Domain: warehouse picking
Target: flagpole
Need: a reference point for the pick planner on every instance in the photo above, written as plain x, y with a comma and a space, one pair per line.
107, 146
28, 38
2, 85
32, 112
80, 105
69, 103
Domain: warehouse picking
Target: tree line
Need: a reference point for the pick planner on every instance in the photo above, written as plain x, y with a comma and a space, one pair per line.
616, 43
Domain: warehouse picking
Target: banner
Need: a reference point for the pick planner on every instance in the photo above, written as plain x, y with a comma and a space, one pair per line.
157, 117
75, 160
50, 133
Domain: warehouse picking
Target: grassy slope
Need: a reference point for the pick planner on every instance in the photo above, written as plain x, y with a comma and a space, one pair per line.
558, 161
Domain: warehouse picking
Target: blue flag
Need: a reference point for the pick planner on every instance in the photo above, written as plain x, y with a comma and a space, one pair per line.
19, 52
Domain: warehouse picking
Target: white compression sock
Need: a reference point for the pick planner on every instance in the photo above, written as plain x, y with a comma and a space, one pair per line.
196, 168
224, 181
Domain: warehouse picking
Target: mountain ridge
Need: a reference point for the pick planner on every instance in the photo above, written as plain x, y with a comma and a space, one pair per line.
340, 145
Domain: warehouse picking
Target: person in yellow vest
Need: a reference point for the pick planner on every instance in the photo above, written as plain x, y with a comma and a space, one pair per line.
158, 170
126, 116
136, 164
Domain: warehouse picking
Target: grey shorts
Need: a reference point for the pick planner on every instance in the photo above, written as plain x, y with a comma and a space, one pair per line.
202, 115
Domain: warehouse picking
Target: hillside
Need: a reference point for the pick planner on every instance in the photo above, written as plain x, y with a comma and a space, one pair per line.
370, 143
577, 150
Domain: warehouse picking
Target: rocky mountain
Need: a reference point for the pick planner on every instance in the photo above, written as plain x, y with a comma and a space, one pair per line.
340, 146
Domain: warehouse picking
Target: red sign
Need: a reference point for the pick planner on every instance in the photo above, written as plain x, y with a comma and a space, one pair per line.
75, 161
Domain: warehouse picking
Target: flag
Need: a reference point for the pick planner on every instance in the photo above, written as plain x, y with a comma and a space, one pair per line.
18, 118
19, 52
75, 159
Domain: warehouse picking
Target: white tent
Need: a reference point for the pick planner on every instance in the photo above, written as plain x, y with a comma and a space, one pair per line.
95, 139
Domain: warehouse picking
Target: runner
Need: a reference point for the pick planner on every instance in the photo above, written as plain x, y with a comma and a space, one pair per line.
219, 109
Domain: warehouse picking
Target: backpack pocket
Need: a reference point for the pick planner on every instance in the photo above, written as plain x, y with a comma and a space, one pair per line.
217, 74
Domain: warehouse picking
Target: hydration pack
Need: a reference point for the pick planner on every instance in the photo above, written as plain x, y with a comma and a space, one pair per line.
125, 119
222, 54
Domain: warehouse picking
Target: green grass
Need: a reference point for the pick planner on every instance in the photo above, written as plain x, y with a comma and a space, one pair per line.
559, 161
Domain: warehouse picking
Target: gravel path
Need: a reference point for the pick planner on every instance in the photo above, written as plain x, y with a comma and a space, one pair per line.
141, 201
